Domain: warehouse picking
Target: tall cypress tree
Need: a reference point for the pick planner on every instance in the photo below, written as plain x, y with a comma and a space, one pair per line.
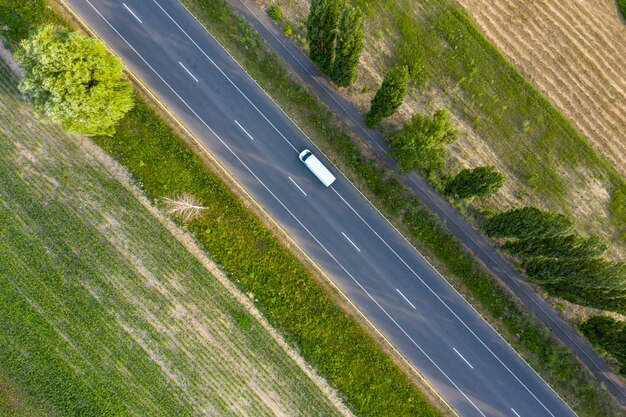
527, 222
561, 247
480, 182
349, 46
322, 32
389, 96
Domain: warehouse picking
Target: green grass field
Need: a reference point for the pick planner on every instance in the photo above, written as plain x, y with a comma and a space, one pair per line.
104, 311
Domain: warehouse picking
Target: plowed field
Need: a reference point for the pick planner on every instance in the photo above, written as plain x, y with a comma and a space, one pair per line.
575, 52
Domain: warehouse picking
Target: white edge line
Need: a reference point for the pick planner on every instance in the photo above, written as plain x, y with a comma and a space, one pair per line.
329, 253
296, 184
244, 130
131, 12
188, 72
234, 181
350, 240
465, 360
404, 237
406, 299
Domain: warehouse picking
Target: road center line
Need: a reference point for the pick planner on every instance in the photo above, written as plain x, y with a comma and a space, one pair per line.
188, 72
227, 77
287, 209
131, 12
515, 412
349, 240
406, 299
443, 302
244, 130
296, 184
468, 364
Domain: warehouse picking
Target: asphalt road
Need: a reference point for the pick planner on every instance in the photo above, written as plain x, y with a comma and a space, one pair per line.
300, 65
467, 362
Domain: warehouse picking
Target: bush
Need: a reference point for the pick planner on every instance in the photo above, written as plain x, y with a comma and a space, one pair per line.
275, 13
608, 334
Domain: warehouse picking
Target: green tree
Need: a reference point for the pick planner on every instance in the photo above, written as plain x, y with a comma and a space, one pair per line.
480, 182
420, 145
349, 46
74, 81
527, 222
389, 96
322, 31
609, 334
595, 273
593, 282
561, 247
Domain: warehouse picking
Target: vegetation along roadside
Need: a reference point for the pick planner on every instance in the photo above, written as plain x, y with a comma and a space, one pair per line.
329, 339
553, 361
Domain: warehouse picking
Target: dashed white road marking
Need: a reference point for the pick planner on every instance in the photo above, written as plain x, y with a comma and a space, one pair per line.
296, 184
188, 72
515, 412
350, 240
244, 130
131, 12
406, 299
465, 360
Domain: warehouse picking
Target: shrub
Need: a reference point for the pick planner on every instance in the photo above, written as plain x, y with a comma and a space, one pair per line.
275, 13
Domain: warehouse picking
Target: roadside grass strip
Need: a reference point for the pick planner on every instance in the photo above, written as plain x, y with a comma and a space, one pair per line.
104, 311
527, 335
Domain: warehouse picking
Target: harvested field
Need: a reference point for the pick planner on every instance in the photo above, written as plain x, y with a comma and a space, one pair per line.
575, 52
106, 312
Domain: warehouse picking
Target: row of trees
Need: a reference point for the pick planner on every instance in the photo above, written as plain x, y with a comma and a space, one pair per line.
335, 38
564, 263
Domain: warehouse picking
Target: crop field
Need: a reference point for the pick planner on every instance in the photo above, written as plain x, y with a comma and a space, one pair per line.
575, 53
504, 120
106, 312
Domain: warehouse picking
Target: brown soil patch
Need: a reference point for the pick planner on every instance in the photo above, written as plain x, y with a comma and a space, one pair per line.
575, 52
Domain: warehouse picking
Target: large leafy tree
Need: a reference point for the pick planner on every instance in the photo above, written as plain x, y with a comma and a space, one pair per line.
321, 26
389, 96
421, 144
609, 334
560, 247
349, 46
74, 80
480, 182
528, 222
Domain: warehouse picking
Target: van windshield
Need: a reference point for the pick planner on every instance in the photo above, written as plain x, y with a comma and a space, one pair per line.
306, 155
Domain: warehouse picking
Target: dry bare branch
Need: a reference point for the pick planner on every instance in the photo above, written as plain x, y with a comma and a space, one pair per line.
185, 206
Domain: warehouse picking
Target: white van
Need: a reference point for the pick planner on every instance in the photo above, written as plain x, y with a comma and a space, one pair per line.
321, 172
